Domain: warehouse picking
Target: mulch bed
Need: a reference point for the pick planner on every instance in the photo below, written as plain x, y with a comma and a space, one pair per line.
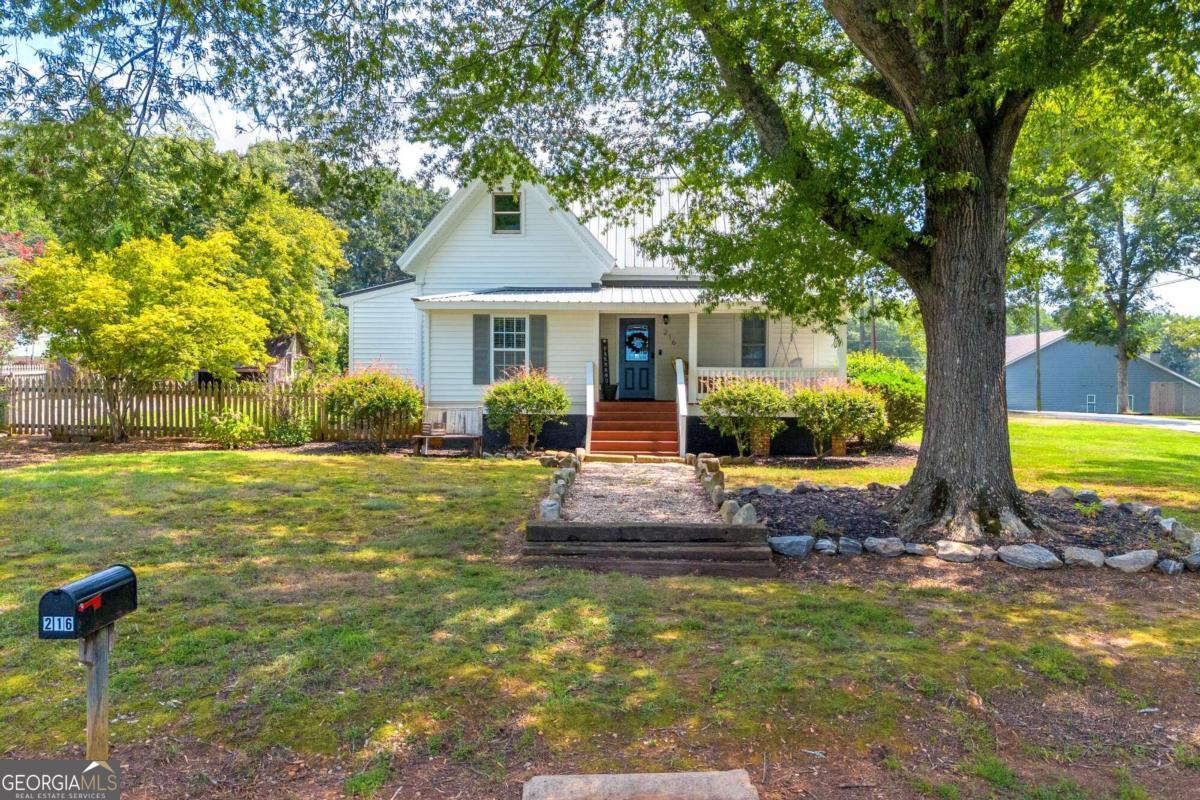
860, 513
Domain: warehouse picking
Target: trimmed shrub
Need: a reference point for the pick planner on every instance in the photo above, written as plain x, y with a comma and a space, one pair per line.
231, 430
902, 390
291, 430
747, 409
376, 399
836, 411
523, 403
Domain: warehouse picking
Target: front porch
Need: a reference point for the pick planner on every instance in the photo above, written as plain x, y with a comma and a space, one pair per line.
711, 347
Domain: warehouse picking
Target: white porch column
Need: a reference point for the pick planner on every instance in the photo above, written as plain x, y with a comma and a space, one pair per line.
693, 355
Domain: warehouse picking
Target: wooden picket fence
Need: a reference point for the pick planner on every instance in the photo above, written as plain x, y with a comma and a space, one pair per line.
163, 409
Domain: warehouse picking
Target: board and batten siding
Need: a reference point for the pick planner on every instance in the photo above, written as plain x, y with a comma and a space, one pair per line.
570, 344
472, 257
385, 332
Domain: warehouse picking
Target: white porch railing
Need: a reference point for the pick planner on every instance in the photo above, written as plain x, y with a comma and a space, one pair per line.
783, 377
589, 395
681, 404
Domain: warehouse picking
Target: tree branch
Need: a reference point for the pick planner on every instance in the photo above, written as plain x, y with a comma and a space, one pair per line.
856, 225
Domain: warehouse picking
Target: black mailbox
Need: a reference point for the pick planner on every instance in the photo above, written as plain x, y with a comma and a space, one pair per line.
85, 606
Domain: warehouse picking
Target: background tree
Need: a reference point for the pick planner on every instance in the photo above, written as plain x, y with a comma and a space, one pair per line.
380, 211
148, 310
1177, 343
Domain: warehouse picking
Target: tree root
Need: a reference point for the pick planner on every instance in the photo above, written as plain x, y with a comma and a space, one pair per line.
965, 516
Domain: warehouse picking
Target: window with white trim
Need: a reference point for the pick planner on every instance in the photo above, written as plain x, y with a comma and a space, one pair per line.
754, 341
510, 345
506, 212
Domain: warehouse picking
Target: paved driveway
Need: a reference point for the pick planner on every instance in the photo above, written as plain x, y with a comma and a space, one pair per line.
1172, 423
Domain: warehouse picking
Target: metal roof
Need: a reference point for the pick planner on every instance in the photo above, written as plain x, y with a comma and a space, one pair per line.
589, 295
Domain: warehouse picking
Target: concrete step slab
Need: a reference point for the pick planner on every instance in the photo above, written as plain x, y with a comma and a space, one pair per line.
731, 785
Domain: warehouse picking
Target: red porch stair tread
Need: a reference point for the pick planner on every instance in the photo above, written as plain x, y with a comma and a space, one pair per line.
635, 427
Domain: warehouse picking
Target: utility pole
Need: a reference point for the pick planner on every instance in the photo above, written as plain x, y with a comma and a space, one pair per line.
1037, 341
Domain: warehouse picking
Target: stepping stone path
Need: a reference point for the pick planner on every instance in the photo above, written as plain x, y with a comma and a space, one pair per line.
732, 785
637, 493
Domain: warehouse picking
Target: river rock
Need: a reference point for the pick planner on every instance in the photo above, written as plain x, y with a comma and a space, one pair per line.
805, 487
1063, 493
548, 461
766, 488
1083, 557
1141, 509
1087, 496
958, 552
919, 549
849, 547
728, 509
690, 459
1135, 561
825, 547
793, 546
1169, 566
890, 546
1192, 562
987, 553
1029, 556
746, 515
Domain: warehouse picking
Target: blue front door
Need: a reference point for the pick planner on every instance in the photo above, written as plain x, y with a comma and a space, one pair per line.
637, 360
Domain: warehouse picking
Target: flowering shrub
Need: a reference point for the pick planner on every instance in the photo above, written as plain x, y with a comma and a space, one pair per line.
749, 410
291, 430
376, 399
523, 403
231, 430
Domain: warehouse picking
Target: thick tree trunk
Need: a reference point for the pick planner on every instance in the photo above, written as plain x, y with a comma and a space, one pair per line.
1122, 381
963, 484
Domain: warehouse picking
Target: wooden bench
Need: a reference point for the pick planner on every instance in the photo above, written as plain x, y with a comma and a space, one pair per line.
436, 430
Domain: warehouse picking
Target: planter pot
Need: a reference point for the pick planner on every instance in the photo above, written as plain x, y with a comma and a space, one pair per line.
760, 443
608, 392
837, 446
518, 431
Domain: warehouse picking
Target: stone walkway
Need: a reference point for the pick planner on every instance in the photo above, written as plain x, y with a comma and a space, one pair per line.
637, 493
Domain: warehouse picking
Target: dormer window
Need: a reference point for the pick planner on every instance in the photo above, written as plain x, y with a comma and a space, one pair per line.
506, 212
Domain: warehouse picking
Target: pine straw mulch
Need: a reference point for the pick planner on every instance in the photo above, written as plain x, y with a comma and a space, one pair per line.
860, 513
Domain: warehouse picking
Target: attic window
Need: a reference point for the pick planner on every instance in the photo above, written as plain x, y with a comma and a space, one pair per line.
506, 212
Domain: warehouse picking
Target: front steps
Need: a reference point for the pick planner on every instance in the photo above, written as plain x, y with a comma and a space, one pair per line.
632, 427
651, 549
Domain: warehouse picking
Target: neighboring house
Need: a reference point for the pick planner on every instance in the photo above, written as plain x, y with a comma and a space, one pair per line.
1081, 376
286, 354
501, 279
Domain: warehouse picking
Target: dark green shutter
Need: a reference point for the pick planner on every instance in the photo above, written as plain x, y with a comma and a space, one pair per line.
537, 341
481, 366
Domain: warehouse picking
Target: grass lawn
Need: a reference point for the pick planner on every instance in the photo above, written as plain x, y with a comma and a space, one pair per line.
1122, 461
355, 624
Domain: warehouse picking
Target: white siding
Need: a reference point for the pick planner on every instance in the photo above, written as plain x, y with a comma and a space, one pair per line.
385, 332
472, 257
570, 344
718, 344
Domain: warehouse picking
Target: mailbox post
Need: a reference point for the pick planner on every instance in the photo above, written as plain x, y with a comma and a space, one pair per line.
86, 610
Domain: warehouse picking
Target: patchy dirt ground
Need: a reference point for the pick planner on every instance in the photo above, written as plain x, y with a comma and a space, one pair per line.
863, 512
21, 451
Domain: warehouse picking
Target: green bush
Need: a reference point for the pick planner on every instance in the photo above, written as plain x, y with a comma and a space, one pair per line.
749, 410
376, 399
291, 430
902, 390
523, 403
231, 430
839, 411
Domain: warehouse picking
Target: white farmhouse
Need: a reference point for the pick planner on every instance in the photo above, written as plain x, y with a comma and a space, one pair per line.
503, 278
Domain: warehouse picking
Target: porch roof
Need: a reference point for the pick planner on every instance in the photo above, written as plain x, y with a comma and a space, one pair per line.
574, 297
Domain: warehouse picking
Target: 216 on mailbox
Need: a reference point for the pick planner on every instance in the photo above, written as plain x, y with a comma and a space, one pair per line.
81, 608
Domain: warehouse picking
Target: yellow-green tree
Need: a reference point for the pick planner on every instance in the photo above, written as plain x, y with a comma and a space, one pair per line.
150, 309
297, 252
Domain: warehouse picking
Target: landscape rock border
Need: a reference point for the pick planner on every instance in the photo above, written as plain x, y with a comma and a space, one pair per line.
1027, 555
567, 467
